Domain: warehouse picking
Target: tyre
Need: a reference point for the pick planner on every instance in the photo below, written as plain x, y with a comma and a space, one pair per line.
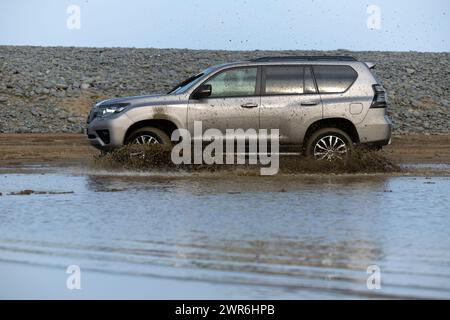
328, 144
149, 136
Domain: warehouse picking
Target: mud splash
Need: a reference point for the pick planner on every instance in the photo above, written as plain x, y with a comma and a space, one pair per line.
360, 161
157, 157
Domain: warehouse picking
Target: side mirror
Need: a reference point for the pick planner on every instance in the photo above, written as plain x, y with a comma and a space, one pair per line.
204, 91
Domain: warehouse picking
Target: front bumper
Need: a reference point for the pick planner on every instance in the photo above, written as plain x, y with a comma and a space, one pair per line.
108, 134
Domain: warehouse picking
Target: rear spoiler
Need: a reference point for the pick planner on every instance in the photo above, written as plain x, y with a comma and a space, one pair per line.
370, 65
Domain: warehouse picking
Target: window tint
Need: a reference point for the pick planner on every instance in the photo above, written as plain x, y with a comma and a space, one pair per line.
284, 80
334, 79
310, 87
235, 82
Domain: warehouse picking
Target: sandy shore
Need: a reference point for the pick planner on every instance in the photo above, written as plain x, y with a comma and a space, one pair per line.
18, 149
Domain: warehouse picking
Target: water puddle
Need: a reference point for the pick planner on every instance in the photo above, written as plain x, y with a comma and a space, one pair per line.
287, 236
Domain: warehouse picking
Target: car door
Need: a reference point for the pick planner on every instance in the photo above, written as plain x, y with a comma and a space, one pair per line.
289, 101
233, 104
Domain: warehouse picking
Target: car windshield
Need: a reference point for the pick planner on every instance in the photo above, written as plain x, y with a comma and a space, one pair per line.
185, 85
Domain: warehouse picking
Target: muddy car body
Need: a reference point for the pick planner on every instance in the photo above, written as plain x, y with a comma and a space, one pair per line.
317, 103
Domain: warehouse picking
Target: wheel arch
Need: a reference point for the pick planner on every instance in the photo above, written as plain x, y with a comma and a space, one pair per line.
165, 125
340, 123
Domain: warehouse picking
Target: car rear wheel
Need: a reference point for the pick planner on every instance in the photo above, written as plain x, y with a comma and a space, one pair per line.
329, 144
149, 136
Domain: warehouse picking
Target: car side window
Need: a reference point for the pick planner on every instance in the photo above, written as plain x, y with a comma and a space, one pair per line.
334, 79
283, 80
234, 83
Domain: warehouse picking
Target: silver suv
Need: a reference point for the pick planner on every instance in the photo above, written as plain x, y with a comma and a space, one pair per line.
322, 106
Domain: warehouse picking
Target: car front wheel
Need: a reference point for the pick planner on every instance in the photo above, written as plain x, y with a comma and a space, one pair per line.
149, 136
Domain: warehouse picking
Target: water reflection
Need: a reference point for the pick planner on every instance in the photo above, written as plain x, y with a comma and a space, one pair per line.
289, 235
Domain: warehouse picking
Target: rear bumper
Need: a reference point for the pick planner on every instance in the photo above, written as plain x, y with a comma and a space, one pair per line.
377, 144
377, 131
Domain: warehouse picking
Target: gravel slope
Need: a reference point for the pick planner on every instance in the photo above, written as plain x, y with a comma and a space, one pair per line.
50, 89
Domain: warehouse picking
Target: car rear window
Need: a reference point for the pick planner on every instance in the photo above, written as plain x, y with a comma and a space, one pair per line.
284, 80
334, 79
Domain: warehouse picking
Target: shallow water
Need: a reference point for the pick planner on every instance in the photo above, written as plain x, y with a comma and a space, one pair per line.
224, 236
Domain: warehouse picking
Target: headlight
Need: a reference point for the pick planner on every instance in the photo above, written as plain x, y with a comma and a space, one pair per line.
109, 109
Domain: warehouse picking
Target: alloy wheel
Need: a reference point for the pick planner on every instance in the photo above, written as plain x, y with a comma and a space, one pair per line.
330, 147
145, 139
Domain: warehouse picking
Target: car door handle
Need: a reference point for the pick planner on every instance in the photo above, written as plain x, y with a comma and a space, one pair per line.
249, 105
310, 103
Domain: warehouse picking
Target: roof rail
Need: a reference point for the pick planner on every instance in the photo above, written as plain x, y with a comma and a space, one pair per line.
304, 58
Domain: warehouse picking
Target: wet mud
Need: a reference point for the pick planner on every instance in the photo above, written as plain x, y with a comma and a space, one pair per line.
148, 158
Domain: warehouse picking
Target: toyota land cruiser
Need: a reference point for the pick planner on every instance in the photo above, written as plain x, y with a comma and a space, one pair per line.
322, 106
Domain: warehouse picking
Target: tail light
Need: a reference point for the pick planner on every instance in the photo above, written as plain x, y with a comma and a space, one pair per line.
379, 99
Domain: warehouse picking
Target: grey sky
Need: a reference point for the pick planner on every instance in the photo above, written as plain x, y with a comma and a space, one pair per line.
230, 25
